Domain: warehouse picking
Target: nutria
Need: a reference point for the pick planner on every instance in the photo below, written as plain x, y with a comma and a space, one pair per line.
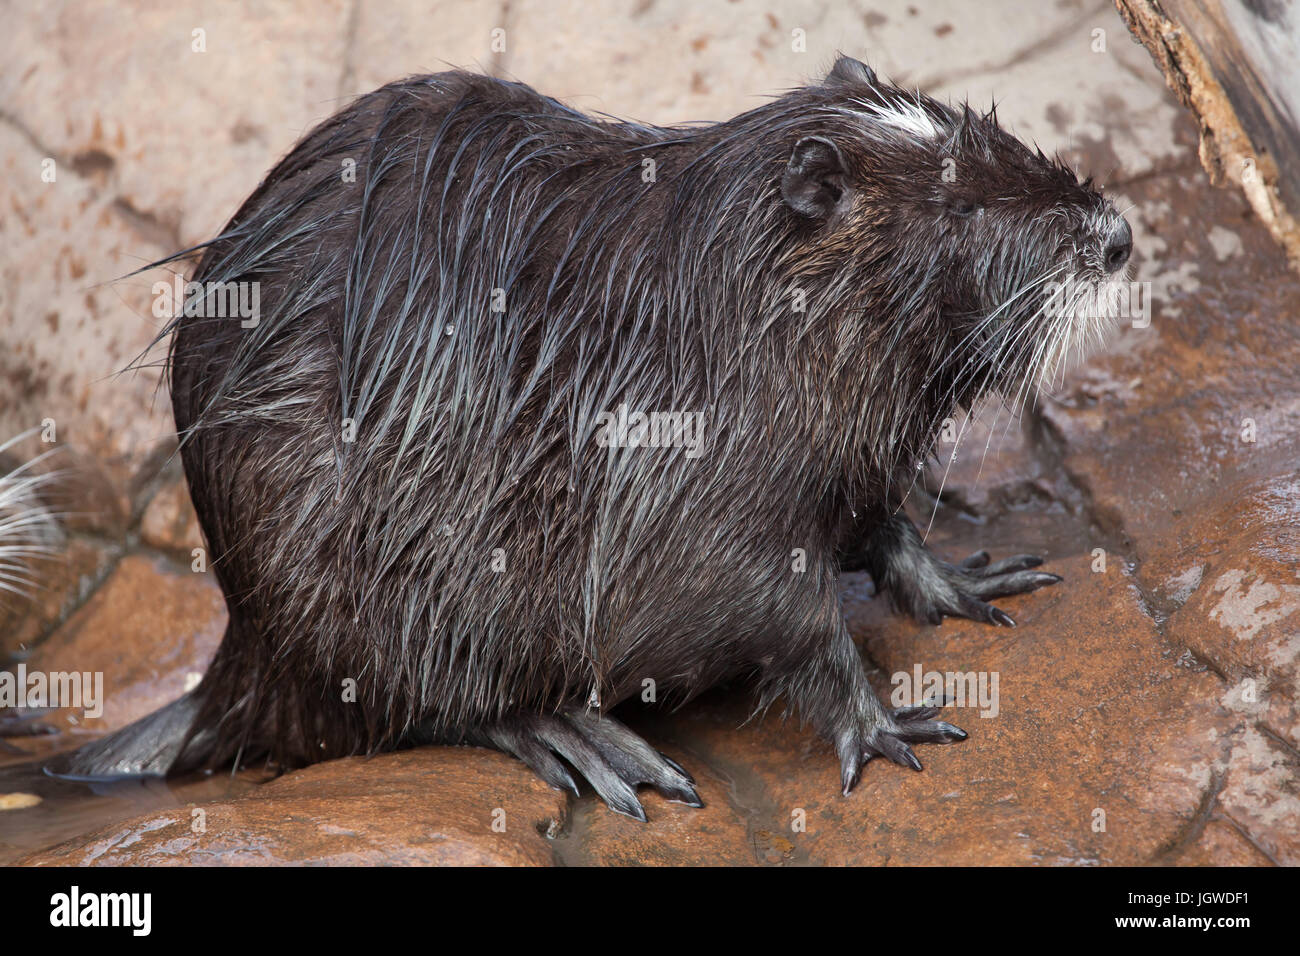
403, 464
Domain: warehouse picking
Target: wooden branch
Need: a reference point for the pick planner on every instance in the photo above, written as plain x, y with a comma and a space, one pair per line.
1236, 65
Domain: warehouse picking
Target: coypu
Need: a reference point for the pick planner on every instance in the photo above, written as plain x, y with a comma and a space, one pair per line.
396, 465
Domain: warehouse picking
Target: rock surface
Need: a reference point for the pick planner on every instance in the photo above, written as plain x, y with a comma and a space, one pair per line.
1147, 707
441, 806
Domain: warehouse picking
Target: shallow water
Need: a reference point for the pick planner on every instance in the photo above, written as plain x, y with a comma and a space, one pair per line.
66, 810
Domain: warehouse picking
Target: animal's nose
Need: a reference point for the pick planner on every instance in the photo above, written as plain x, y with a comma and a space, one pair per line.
1118, 247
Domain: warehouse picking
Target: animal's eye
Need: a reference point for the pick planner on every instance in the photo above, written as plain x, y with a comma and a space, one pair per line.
963, 208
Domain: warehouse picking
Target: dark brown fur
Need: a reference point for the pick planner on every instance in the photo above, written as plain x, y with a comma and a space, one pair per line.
372, 560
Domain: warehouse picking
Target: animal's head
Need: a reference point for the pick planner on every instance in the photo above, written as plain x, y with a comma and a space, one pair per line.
998, 255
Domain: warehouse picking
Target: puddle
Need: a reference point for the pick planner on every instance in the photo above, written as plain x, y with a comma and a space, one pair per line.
48, 811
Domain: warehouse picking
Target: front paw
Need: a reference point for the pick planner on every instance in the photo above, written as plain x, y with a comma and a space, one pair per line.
962, 590
890, 734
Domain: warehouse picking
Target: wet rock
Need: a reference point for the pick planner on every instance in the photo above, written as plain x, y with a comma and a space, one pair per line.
149, 630
64, 582
432, 806
18, 801
1218, 400
64, 811
1193, 472
674, 834
1095, 726
1224, 585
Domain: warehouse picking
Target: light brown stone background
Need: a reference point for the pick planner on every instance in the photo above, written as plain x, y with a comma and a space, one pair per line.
1121, 691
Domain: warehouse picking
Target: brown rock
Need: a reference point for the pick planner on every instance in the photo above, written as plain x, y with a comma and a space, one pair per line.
169, 522
1083, 684
432, 806
1193, 471
1225, 585
674, 834
64, 582
1222, 844
150, 630
1216, 367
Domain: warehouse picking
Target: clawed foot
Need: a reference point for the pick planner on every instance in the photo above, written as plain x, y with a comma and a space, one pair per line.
613, 759
963, 590
891, 735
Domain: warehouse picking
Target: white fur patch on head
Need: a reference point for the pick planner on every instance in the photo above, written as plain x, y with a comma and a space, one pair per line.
902, 116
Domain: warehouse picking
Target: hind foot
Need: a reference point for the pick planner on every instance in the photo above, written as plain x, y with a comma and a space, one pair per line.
891, 734
614, 760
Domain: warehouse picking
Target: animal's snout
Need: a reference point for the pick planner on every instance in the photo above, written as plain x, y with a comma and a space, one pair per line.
1118, 247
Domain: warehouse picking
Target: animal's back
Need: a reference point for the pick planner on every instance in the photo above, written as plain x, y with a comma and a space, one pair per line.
395, 467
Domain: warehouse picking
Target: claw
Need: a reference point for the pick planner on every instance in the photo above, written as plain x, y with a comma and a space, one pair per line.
1019, 562
931, 732
629, 808
897, 750
850, 771
676, 766
1004, 585
890, 735
691, 800
963, 590
613, 759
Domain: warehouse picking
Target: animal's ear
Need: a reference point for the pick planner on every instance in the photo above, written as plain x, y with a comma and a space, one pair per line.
850, 72
815, 183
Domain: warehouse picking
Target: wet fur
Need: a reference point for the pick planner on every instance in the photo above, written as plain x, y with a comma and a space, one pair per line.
371, 560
